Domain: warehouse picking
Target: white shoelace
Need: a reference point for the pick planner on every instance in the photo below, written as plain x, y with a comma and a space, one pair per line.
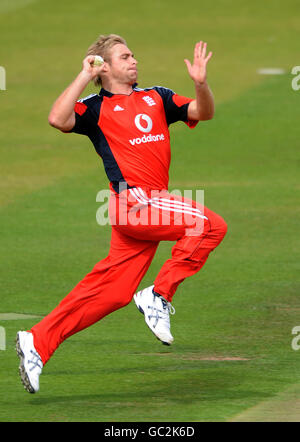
167, 309
168, 306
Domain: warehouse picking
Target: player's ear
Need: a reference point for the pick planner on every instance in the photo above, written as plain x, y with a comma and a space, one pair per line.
105, 67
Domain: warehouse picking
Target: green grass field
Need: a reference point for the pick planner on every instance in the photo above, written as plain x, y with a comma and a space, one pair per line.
232, 358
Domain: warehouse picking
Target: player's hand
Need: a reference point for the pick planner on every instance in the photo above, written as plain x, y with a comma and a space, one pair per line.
197, 70
89, 68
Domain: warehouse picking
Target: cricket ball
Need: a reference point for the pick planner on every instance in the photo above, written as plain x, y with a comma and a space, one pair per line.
98, 60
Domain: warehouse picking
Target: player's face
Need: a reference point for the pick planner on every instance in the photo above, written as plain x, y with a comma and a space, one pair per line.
122, 66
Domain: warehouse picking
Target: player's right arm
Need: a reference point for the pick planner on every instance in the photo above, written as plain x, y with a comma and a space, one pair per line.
62, 114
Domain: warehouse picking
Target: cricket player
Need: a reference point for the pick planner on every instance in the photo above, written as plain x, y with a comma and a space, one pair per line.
128, 127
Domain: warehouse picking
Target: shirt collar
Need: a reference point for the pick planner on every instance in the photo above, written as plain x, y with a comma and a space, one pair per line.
104, 92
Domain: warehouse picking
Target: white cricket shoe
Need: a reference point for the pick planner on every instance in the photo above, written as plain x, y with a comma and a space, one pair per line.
31, 364
156, 311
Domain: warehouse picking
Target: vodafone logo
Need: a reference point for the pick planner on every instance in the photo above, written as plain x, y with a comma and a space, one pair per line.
143, 122
147, 139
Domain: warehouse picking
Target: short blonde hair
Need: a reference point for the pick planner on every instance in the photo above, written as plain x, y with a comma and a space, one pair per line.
102, 47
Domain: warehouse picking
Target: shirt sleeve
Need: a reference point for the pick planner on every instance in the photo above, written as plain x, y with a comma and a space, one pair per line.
84, 117
176, 107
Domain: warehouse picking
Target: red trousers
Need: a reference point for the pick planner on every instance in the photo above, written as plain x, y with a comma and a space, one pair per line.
140, 220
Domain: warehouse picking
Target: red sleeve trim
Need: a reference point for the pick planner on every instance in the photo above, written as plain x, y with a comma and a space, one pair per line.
80, 108
192, 123
179, 100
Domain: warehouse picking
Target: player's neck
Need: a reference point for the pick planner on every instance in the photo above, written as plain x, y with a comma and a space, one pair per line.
117, 88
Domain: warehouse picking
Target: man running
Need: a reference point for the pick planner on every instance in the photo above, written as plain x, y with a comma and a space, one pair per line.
128, 127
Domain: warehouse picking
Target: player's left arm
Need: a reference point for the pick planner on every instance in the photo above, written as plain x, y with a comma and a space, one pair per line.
202, 108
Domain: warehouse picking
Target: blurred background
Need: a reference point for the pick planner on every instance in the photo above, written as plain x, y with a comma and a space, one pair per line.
234, 319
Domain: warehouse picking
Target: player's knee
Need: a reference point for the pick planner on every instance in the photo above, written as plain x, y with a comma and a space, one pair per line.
218, 230
221, 228
124, 301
